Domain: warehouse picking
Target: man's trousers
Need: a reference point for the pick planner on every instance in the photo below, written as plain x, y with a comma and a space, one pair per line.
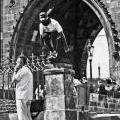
23, 110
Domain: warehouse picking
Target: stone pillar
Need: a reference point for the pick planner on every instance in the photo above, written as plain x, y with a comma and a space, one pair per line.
59, 99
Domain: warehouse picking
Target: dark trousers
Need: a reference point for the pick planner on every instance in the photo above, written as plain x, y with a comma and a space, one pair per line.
51, 40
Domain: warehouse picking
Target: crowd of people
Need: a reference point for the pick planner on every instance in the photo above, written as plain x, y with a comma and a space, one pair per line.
107, 88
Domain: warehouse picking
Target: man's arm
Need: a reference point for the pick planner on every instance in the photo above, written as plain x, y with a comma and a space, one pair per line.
41, 33
59, 29
61, 34
17, 75
34, 35
63, 38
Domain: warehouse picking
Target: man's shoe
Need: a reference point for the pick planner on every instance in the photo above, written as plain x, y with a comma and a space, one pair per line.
69, 49
54, 54
50, 55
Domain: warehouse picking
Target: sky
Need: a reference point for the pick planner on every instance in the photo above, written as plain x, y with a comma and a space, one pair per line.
100, 57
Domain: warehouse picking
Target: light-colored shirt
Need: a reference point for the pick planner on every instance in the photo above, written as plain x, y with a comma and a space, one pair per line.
108, 88
53, 26
76, 82
24, 83
40, 94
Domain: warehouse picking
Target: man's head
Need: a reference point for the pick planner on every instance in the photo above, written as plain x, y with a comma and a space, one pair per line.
21, 60
99, 82
43, 16
84, 79
44, 19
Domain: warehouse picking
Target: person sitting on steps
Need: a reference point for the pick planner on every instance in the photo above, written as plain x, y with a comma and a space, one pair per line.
50, 30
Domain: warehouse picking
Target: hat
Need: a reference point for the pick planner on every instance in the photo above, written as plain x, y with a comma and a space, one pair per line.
43, 15
114, 81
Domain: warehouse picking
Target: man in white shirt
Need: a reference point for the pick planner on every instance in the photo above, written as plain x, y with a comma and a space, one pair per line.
23, 78
50, 31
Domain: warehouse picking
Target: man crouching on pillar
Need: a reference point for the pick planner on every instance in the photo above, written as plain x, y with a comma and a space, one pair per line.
50, 30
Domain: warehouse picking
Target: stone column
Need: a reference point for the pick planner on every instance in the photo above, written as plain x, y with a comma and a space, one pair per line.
59, 99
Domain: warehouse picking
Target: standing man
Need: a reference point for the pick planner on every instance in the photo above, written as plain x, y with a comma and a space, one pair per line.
50, 31
23, 78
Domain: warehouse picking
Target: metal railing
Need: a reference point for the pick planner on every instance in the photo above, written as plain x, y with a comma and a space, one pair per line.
7, 92
103, 103
35, 64
6, 72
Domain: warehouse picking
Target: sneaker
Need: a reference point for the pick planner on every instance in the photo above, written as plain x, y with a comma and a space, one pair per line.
52, 55
69, 49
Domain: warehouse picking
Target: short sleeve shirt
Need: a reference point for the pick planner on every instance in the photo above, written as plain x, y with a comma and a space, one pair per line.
53, 26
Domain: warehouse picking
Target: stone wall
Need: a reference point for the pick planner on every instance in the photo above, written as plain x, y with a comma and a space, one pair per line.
10, 16
113, 7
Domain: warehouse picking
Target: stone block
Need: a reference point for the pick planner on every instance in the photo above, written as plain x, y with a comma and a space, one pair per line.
68, 82
70, 102
70, 115
112, 106
60, 101
81, 90
54, 115
54, 85
55, 103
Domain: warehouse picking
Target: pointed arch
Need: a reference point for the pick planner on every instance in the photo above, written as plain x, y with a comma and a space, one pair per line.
77, 30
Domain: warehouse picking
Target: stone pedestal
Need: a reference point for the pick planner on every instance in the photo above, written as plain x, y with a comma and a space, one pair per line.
59, 99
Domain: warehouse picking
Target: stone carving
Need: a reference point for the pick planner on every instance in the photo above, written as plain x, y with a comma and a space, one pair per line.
54, 85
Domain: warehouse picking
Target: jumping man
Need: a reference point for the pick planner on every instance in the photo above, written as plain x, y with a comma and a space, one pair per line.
50, 30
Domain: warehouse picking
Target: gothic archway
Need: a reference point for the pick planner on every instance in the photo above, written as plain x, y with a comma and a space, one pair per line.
80, 19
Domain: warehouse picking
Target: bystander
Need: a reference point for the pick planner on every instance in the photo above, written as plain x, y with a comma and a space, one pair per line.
24, 88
